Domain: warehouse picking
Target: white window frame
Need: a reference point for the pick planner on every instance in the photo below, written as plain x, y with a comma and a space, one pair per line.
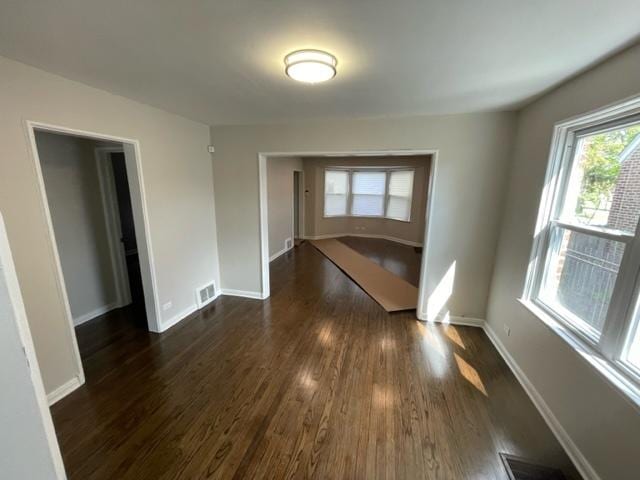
608, 351
350, 171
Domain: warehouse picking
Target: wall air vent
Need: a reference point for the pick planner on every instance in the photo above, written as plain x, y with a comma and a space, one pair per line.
205, 294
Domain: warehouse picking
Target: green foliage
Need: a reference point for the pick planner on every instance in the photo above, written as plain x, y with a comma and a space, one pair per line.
601, 166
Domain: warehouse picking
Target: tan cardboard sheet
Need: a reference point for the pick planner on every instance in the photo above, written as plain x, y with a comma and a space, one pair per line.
390, 291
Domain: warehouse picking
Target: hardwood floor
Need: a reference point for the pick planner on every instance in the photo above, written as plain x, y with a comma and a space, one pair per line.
402, 260
316, 382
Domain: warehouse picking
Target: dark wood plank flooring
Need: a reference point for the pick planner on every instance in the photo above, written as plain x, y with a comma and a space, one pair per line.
316, 382
400, 259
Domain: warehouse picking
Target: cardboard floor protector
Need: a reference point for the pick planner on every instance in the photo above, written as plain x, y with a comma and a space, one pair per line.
390, 291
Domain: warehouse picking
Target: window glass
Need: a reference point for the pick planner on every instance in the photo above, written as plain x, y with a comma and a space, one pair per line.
580, 275
400, 191
368, 192
336, 185
603, 190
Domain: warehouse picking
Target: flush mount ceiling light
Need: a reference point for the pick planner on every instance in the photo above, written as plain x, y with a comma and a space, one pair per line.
310, 66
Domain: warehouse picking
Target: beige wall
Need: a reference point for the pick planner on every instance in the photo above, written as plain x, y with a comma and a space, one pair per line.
316, 225
70, 177
603, 425
472, 167
280, 199
178, 180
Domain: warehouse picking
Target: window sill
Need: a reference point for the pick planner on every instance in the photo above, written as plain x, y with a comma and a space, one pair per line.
614, 374
376, 217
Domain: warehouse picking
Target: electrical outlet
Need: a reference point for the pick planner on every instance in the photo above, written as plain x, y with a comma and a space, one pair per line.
507, 330
167, 306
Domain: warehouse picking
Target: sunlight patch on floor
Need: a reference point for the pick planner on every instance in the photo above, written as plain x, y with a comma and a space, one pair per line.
470, 374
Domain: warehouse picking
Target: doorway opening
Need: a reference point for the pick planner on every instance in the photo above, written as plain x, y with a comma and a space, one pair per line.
376, 206
93, 198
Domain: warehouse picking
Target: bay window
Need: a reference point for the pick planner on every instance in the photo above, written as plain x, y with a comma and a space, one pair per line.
369, 192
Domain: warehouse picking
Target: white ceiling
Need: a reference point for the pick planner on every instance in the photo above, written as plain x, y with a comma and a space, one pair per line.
221, 62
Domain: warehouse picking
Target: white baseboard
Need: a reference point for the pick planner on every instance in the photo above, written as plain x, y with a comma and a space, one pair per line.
581, 463
363, 235
64, 390
465, 321
95, 313
242, 293
279, 254
167, 324
455, 320
170, 322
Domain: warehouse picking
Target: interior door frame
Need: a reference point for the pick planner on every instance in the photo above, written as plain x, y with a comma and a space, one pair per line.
111, 212
26, 342
301, 206
422, 311
133, 160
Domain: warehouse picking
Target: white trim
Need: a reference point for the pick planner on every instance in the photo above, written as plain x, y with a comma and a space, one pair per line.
263, 229
143, 229
364, 235
242, 293
462, 320
629, 149
53, 248
264, 220
608, 370
22, 324
301, 206
579, 460
63, 390
95, 313
133, 158
279, 253
167, 324
111, 213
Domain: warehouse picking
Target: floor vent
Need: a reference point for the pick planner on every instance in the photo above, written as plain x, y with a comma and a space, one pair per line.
206, 294
521, 469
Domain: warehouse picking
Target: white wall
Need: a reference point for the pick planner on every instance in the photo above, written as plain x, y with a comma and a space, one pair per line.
28, 445
280, 198
177, 176
473, 159
603, 425
71, 182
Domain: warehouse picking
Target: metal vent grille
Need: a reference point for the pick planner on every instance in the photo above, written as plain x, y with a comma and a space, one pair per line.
522, 469
205, 294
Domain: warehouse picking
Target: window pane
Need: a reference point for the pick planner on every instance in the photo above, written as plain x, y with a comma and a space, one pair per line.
369, 205
369, 183
400, 191
580, 276
604, 186
335, 205
336, 185
368, 193
401, 183
335, 181
399, 208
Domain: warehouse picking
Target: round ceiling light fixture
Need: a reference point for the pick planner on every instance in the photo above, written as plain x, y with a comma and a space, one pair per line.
310, 66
